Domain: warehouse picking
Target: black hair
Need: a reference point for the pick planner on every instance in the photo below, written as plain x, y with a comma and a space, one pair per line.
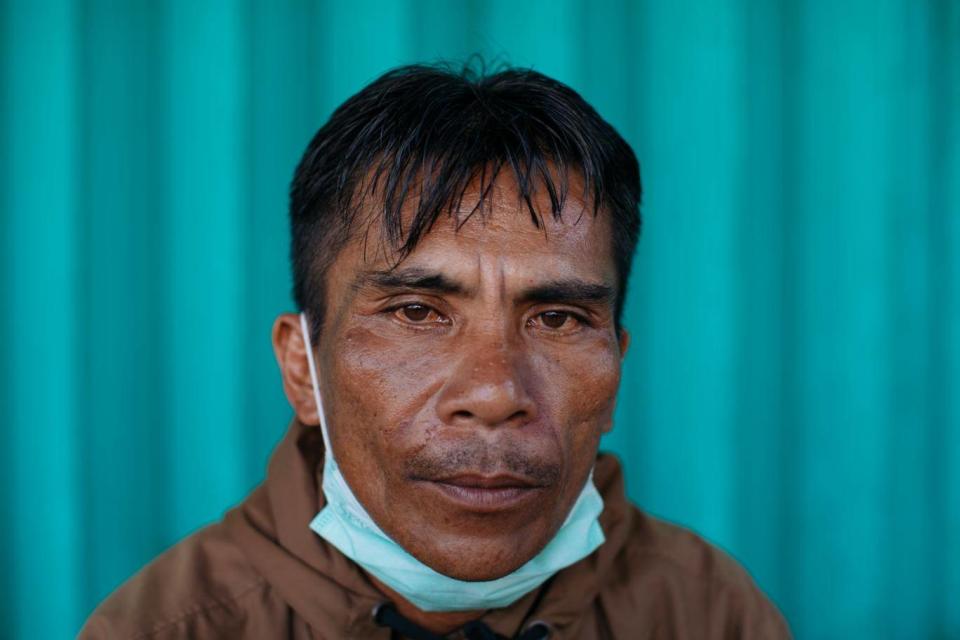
431, 131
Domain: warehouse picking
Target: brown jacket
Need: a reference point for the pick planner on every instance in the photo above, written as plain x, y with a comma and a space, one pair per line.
262, 573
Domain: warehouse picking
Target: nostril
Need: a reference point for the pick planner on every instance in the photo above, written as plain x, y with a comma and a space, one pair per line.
465, 416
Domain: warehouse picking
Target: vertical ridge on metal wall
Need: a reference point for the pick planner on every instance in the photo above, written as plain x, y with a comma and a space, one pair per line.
42, 350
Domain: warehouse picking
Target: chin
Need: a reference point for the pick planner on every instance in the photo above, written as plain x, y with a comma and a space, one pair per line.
463, 541
481, 572
478, 560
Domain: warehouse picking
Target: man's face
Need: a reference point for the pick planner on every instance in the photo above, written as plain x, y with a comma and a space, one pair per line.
467, 388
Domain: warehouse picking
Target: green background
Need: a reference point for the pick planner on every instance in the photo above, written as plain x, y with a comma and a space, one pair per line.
793, 387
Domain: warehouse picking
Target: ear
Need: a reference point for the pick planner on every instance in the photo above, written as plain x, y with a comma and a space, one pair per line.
290, 349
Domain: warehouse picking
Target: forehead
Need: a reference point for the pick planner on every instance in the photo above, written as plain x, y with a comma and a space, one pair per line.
499, 235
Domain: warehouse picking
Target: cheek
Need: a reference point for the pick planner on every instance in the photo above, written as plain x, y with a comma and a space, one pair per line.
380, 384
375, 388
582, 385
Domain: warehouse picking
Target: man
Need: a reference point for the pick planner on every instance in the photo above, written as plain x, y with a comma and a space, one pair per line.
461, 247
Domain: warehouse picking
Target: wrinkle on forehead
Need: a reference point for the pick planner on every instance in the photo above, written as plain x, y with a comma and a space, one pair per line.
501, 209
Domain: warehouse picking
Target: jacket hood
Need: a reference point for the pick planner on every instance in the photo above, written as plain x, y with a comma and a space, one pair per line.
332, 593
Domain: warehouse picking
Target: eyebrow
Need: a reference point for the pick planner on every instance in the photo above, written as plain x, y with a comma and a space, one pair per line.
410, 278
571, 290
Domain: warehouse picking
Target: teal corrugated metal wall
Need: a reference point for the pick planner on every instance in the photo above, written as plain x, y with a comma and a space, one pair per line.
793, 387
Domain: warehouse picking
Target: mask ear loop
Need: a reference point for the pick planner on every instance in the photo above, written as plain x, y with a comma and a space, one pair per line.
315, 381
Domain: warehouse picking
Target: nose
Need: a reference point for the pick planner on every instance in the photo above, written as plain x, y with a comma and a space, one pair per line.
489, 387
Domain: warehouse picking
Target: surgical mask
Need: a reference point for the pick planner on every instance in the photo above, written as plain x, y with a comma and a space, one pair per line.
344, 523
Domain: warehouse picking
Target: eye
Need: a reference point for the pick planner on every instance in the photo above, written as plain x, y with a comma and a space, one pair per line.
557, 319
417, 314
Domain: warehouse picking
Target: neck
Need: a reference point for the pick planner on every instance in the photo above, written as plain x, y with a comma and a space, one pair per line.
439, 622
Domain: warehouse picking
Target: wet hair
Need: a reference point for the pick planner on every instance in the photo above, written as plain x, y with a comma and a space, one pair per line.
427, 133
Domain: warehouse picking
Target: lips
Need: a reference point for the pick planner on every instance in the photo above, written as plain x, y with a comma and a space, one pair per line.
481, 493
476, 481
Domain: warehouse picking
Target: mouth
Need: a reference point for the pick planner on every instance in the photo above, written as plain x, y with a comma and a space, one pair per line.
485, 494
